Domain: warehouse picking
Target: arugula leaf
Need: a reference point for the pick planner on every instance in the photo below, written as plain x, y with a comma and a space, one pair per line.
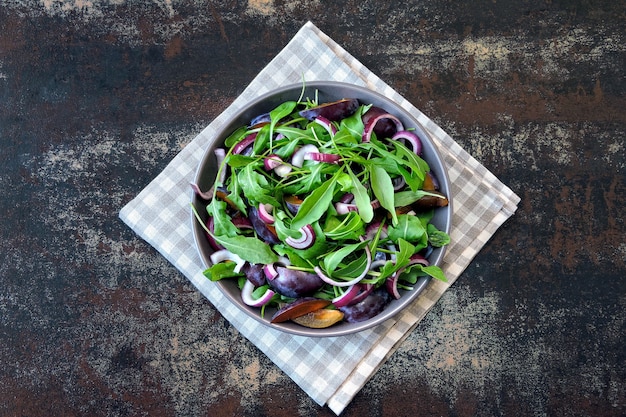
350, 227
236, 136
283, 110
421, 270
361, 198
239, 161
221, 270
383, 190
408, 227
436, 237
261, 141
353, 125
406, 198
250, 249
255, 186
417, 164
332, 260
315, 204
222, 225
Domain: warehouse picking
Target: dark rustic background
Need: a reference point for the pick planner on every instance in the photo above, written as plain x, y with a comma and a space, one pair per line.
97, 96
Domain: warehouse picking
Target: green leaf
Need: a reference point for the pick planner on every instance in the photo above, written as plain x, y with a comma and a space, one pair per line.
221, 270
349, 226
222, 225
436, 237
408, 227
255, 187
236, 136
361, 199
431, 270
383, 190
250, 249
315, 204
332, 260
417, 164
406, 198
238, 160
261, 141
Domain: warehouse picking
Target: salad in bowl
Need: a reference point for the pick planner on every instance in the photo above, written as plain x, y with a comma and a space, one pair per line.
322, 209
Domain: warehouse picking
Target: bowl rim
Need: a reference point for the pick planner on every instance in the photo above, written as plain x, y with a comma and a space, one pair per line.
244, 112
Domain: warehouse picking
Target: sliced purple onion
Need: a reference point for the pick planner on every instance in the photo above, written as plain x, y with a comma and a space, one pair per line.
246, 295
244, 143
261, 118
391, 284
282, 170
326, 124
345, 208
329, 158
264, 213
271, 162
306, 239
372, 229
226, 255
389, 124
409, 137
298, 157
205, 195
270, 270
345, 298
346, 198
366, 289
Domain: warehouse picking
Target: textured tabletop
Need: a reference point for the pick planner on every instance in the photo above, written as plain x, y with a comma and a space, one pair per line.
97, 97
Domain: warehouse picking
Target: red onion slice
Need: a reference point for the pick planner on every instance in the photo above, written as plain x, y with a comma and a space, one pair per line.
329, 158
271, 162
264, 213
345, 208
246, 295
297, 159
366, 289
326, 124
244, 143
375, 115
226, 255
345, 298
391, 284
306, 239
409, 137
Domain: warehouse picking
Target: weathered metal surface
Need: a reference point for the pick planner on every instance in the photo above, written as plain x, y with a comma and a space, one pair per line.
96, 97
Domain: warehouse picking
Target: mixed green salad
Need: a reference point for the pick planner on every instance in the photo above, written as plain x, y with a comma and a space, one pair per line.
324, 211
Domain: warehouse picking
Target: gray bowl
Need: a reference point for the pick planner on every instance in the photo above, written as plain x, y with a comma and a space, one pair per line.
327, 91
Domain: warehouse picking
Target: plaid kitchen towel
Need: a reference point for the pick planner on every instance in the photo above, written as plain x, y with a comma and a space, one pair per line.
160, 214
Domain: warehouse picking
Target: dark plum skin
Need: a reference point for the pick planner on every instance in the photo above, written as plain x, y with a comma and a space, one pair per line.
261, 228
384, 128
335, 111
255, 274
295, 284
368, 308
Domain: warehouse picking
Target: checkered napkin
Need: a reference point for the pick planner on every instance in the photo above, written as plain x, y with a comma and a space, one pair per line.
330, 370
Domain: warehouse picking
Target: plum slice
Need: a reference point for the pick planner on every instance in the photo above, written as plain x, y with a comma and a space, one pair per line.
294, 284
298, 308
333, 111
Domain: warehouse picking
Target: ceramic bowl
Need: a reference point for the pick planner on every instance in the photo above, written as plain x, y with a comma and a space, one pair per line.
326, 92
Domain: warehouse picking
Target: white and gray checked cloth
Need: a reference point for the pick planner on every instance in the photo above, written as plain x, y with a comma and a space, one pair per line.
160, 214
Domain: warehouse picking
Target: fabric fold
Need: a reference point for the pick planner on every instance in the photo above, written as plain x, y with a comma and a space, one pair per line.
160, 214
